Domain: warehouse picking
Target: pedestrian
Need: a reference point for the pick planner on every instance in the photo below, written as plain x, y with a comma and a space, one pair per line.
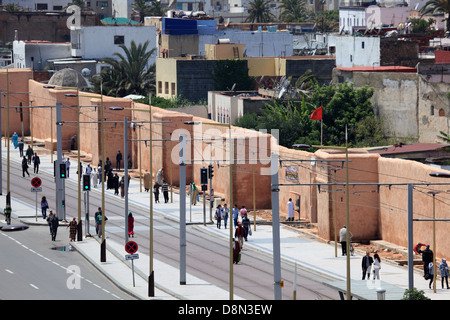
366, 265
29, 153
165, 191
130, 225
88, 170
68, 166
156, 192
21, 144
97, 214
25, 167
118, 159
110, 181
430, 274
73, 225
115, 184
427, 257
418, 247
99, 171
246, 226
147, 181
218, 216
49, 219
44, 207
376, 266
236, 251
343, 239
54, 226
94, 176
73, 143
226, 212
36, 162
194, 194
160, 176
443, 268
15, 140
99, 222
242, 212
122, 186
235, 215
239, 234
290, 209
80, 170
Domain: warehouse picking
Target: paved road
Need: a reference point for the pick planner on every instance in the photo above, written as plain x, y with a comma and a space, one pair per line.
31, 269
207, 255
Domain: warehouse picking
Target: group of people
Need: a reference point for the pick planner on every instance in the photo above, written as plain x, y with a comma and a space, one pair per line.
161, 183
29, 157
428, 266
242, 227
368, 263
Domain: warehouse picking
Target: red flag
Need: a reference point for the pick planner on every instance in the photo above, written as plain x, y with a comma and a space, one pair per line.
317, 114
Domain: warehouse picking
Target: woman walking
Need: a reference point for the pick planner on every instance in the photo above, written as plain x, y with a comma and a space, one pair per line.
44, 207
130, 225
376, 266
73, 225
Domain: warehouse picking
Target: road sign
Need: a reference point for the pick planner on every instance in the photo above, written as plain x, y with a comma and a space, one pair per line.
131, 247
131, 256
38, 189
36, 182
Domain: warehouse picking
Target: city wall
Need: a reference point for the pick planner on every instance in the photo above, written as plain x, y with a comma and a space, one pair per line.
377, 209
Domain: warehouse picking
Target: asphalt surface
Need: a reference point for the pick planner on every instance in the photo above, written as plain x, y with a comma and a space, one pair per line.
304, 251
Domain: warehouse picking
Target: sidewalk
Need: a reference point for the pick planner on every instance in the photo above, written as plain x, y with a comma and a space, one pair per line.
303, 249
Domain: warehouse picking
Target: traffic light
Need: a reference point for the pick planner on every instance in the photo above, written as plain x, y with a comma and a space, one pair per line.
203, 176
62, 170
86, 182
210, 171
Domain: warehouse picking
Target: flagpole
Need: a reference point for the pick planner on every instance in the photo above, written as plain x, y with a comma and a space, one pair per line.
321, 131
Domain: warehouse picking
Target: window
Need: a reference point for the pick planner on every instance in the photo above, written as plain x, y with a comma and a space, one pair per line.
362, 44
173, 88
41, 6
159, 87
166, 85
56, 8
351, 58
119, 39
101, 3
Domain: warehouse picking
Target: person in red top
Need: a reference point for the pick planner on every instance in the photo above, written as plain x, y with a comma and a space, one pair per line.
418, 246
130, 225
239, 234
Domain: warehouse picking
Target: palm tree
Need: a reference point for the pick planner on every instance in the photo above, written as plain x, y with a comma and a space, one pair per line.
129, 73
259, 11
293, 11
142, 8
437, 6
156, 9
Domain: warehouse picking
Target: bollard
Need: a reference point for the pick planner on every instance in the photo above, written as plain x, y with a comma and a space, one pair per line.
381, 294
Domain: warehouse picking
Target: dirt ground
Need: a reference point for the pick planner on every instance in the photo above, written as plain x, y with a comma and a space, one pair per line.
388, 254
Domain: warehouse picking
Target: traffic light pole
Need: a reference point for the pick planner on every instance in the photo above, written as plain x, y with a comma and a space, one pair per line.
58, 180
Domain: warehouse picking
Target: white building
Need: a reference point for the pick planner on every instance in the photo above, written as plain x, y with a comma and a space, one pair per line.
102, 8
97, 42
257, 44
357, 51
35, 54
350, 17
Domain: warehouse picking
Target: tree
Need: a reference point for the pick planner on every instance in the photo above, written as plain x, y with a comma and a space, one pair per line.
414, 294
129, 73
343, 105
142, 8
228, 72
438, 6
156, 9
293, 11
444, 136
259, 11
